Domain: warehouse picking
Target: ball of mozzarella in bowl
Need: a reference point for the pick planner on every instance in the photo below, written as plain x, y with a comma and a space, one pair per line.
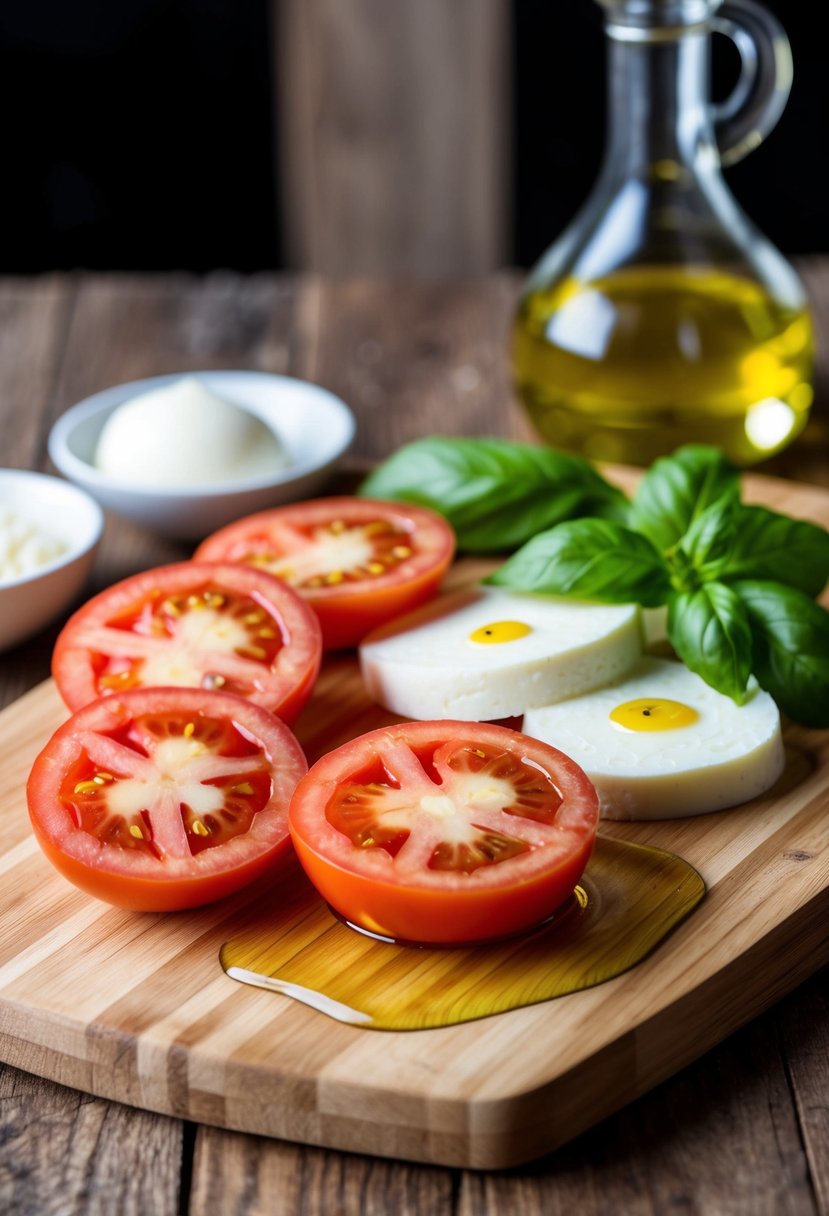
661, 743
485, 654
181, 434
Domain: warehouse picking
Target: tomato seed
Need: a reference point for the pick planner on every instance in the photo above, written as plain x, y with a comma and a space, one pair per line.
114, 680
252, 652
87, 787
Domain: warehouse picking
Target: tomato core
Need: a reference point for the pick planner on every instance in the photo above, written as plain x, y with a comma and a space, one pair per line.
116, 807
358, 562
199, 621
377, 813
331, 554
213, 626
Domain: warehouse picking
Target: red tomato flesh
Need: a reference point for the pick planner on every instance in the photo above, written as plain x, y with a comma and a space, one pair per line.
162, 799
357, 561
444, 832
216, 626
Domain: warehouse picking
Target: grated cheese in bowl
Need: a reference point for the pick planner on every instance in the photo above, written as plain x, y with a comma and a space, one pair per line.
24, 547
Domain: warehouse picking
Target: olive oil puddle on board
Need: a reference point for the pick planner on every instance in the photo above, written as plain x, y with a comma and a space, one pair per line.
630, 898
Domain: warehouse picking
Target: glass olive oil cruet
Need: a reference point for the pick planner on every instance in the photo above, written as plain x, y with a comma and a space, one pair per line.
661, 316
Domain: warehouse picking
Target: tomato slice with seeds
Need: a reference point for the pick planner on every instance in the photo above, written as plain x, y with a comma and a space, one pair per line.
163, 799
357, 561
444, 832
216, 626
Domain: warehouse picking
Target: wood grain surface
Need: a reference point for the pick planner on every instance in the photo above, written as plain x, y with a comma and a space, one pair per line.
393, 135
744, 1130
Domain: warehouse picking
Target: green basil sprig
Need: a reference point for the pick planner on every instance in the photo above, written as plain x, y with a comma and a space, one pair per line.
736, 579
495, 494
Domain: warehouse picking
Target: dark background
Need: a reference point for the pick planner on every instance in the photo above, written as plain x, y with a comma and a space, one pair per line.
139, 134
559, 126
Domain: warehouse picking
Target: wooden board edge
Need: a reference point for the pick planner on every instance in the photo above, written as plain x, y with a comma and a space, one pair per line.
500, 1133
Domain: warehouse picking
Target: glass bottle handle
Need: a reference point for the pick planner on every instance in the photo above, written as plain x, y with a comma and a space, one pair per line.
745, 118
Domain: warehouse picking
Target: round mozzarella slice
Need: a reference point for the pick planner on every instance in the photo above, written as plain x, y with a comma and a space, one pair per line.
661, 743
484, 654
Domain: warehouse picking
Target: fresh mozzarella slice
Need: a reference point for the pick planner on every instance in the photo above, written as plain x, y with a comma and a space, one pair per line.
661, 743
484, 654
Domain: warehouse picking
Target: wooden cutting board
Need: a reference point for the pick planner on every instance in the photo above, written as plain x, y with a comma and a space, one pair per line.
137, 1008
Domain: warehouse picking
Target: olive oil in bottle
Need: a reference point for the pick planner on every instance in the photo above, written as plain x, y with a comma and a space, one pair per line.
636, 363
661, 316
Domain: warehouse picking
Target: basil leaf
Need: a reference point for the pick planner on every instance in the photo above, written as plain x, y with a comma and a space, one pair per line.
589, 559
495, 494
677, 489
709, 630
773, 547
708, 544
791, 648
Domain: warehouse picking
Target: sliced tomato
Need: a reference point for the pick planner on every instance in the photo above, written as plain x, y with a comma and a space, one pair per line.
210, 625
162, 799
444, 832
358, 562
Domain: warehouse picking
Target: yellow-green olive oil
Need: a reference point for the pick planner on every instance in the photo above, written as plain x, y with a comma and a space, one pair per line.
628, 900
631, 366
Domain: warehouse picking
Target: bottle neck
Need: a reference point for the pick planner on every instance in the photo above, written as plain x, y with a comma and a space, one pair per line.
659, 116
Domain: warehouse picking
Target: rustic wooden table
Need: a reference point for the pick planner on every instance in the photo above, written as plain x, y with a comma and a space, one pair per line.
745, 1130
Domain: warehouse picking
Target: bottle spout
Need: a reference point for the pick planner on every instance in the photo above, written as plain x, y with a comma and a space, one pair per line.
752, 110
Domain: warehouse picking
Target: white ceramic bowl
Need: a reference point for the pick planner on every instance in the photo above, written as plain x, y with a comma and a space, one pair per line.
313, 425
31, 601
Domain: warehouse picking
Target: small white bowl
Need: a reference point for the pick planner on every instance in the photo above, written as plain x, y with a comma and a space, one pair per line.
314, 426
31, 601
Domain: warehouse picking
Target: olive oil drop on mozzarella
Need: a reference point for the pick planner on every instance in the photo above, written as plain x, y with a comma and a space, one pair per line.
660, 743
485, 654
182, 434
